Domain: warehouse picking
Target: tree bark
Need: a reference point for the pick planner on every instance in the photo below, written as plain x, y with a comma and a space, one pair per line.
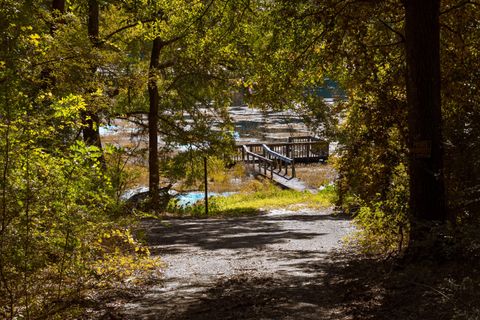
93, 21
59, 5
153, 163
91, 120
427, 191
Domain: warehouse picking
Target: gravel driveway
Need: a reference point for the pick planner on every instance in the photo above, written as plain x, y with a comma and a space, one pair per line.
265, 267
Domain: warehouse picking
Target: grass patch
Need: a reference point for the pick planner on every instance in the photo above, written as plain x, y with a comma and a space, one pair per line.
256, 198
315, 175
275, 198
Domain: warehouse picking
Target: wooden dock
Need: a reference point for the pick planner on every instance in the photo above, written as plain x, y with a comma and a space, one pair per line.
276, 161
292, 184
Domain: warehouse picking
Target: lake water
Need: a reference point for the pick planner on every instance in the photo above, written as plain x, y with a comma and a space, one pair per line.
251, 126
254, 125
184, 198
189, 198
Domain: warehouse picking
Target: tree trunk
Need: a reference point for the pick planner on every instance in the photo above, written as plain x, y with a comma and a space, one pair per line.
91, 120
93, 21
58, 9
58, 5
427, 191
153, 163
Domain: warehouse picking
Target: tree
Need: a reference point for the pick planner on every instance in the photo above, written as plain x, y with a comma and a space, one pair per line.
55, 200
153, 162
91, 120
190, 75
387, 55
459, 42
426, 171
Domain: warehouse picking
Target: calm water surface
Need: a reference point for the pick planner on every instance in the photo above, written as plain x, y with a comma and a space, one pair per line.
251, 125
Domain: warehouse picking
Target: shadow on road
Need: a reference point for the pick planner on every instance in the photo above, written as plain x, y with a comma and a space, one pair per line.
317, 284
342, 287
229, 234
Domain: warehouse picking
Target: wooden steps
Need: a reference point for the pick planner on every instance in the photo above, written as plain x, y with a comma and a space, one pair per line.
277, 161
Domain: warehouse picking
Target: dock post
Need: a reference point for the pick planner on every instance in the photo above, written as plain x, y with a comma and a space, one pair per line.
205, 175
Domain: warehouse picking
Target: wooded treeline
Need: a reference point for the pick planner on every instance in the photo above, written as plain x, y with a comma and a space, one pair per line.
408, 161
68, 67
406, 129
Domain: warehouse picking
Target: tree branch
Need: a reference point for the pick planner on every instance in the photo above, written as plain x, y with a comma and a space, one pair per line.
110, 35
459, 5
398, 33
386, 45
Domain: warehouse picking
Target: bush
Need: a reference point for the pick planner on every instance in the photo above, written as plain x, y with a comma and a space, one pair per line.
384, 224
56, 219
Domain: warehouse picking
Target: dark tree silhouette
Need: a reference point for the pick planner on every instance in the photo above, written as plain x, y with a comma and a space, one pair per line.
427, 191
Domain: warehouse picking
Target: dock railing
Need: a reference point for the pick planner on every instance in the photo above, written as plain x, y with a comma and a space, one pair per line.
312, 151
280, 161
264, 164
268, 159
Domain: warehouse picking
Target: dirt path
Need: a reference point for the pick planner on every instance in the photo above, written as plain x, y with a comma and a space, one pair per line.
265, 267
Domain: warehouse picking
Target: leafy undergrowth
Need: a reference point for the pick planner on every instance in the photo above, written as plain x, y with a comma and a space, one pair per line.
371, 287
255, 198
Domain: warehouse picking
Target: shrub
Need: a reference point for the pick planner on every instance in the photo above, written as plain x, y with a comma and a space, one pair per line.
56, 218
383, 224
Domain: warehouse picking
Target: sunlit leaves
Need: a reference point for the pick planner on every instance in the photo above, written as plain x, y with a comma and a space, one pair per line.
55, 199
69, 108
